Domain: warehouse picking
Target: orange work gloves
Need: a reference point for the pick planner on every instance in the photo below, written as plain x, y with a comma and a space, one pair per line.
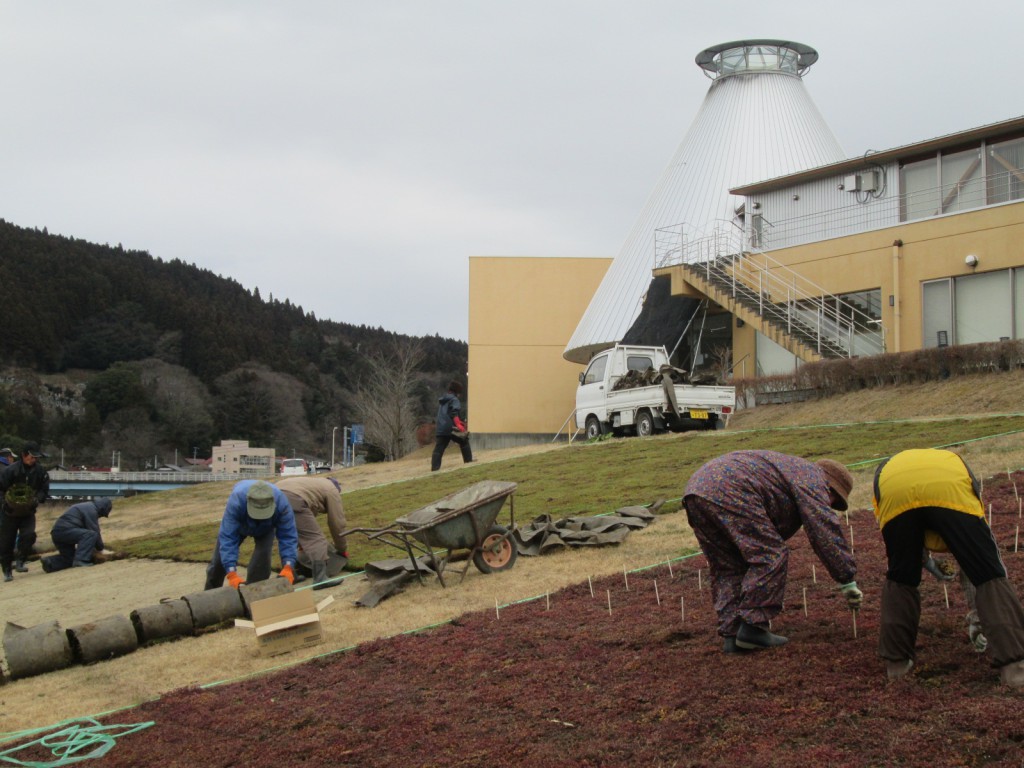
234, 579
287, 573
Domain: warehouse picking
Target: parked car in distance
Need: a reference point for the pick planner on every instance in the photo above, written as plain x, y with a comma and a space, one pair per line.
294, 467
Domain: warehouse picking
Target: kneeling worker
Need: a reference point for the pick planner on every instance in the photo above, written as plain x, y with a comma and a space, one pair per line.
929, 497
258, 509
311, 496
76, 535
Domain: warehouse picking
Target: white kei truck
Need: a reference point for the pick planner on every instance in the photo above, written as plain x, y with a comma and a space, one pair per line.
633, 389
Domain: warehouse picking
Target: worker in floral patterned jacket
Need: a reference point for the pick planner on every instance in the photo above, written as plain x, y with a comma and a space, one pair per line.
743, 506
258, 509
929, 498
308, 497
24, 485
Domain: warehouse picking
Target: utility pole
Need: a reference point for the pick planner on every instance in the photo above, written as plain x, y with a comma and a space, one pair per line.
334, 433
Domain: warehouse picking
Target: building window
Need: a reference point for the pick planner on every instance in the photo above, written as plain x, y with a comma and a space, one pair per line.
919, 187
963, 181
972, 309
983, 307
937, 309
1006, 171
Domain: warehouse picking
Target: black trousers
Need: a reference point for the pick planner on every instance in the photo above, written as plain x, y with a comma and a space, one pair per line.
968, 537
441, 443
258, 568
971, 542
20, 529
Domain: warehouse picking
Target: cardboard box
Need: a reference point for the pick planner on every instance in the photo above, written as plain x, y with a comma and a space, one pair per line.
286, 622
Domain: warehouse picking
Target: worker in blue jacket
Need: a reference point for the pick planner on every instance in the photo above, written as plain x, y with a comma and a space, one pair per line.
258, 509
76, 535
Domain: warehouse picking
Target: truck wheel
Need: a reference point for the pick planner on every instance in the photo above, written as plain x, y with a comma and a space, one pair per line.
593, 428
644, 424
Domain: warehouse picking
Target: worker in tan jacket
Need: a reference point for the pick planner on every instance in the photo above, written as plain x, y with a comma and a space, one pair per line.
309, 497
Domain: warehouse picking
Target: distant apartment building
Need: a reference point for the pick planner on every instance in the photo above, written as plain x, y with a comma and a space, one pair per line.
236, 457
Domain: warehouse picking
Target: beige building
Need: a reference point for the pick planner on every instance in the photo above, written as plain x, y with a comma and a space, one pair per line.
237, 458
522, 312
914, 247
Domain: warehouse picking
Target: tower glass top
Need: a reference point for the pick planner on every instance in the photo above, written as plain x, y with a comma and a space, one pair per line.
750, 56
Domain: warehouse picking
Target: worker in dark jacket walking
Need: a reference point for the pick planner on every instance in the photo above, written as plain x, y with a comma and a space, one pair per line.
24, 485
76, 535
450, 427
743, 506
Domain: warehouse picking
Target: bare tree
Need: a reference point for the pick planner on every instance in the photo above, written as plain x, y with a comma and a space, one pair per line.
386, 399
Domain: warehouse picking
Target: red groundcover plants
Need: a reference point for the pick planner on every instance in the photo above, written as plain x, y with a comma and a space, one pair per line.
625, 671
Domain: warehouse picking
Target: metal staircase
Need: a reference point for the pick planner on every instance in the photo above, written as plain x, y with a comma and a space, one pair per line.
784, 306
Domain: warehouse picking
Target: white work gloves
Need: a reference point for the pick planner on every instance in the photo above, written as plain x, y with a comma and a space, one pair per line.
854, 597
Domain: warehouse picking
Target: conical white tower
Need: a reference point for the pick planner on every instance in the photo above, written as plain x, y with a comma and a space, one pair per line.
757, 122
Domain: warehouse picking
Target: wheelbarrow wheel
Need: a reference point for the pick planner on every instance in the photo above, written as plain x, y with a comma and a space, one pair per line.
497, 551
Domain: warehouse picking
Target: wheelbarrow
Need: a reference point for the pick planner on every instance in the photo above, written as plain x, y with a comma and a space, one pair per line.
464, 520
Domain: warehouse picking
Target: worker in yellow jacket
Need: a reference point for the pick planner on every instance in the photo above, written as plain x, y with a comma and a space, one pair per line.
929, 498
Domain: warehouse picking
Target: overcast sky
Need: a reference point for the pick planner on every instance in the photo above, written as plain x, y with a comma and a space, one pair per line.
351, 155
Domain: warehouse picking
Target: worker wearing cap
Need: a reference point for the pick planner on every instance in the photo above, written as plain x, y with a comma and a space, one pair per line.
6, 457
255, 508
929, 497
743, 506
76, 535
308, 497
24, 485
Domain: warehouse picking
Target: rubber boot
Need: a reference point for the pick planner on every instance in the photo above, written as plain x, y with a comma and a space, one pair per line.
8, 576
901, 615
1002, 617
753, 638
320, 577
20, 567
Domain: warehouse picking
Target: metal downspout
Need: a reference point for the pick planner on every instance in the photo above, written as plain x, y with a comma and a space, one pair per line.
897, 319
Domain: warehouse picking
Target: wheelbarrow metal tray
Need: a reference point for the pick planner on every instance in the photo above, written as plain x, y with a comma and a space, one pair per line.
457, 520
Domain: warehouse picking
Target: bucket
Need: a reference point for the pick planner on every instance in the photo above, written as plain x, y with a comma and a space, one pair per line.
35, 650
169, 618
214, 606
103, 639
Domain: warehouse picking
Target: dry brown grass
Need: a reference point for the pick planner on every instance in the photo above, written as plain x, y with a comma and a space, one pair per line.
117, 588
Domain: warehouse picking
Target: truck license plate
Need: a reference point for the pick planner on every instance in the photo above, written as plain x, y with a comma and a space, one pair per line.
698, 414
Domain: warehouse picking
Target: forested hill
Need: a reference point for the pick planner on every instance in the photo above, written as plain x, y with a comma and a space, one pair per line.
72, 304
105, 350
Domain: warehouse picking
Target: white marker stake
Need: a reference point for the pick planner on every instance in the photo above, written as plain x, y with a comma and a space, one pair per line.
1015, 494
805, 601
700, 583
1016, 538
814, 573
945, 591
656, 595
609, 601
1020, 506
989, 515
547, 598
497, 613
682, 610
854, 624
851, 539
847, 516
670, 569
591, 586
625, 577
